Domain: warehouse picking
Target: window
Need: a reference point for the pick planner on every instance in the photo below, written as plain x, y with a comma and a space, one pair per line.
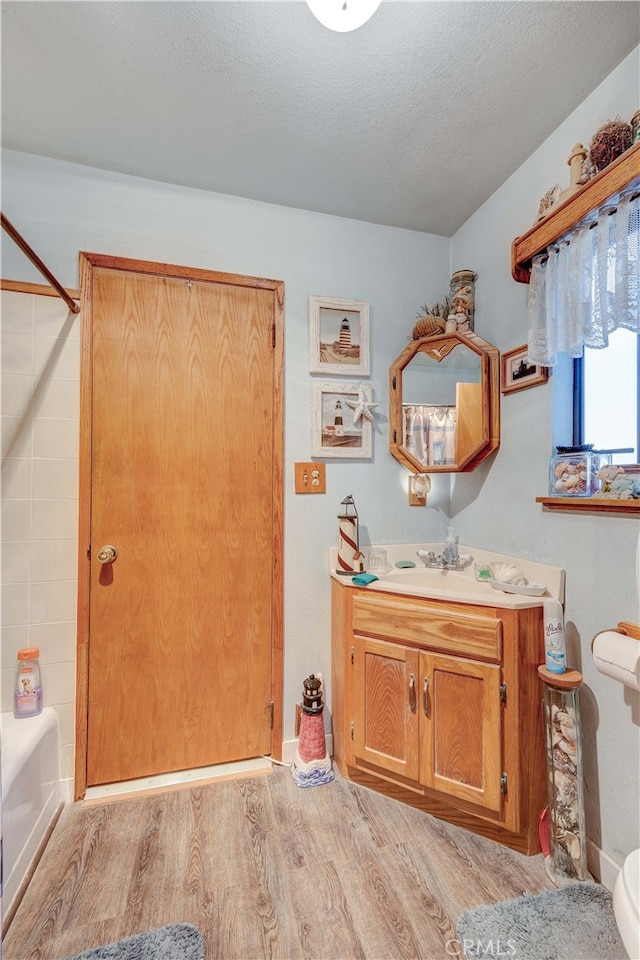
584, 302
606, 398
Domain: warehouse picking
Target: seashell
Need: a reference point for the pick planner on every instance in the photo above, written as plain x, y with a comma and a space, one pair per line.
428, 327
562, 761
567, 746
566, 786
507, 573
572, 845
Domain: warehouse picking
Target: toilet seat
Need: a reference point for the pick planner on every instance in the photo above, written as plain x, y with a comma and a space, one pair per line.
626, 904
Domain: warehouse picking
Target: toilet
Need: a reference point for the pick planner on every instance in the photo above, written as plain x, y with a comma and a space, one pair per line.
626, 904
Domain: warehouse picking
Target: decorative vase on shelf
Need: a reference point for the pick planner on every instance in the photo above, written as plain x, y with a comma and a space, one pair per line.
462, 299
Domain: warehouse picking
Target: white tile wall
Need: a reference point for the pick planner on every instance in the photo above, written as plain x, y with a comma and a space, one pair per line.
39, 425
17, 437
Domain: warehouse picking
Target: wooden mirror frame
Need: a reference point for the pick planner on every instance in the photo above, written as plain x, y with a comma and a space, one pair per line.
481, 414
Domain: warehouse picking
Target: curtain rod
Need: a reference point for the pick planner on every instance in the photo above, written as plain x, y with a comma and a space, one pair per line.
37, 262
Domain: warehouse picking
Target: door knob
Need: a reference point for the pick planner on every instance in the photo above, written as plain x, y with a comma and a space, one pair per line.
107, 554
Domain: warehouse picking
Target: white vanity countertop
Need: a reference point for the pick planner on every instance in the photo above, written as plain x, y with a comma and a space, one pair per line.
458, 586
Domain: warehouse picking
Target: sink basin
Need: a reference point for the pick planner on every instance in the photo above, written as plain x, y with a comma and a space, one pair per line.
451, 581
457, 586
454, 585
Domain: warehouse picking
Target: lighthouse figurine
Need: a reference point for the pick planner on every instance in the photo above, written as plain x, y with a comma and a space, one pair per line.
350, 559
312, 764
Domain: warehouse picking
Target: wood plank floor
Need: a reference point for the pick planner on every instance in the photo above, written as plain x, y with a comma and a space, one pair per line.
266, 870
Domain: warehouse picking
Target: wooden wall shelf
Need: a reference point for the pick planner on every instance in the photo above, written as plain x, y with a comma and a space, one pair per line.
566, 214
629, 508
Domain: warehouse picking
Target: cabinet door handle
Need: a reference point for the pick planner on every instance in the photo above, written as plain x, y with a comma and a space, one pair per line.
425, 696
412, 693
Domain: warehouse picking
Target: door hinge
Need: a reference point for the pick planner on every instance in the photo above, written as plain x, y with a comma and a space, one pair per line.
271, 709
503, 692
353, 654
393, 381
352, 729
273, 335
504, 784
89, 552
395, 437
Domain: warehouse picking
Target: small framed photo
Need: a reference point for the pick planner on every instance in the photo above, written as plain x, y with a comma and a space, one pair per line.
338, 337
518, 372
336, 430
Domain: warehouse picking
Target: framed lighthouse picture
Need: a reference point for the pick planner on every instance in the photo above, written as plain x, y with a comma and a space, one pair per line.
338, 427
338, 337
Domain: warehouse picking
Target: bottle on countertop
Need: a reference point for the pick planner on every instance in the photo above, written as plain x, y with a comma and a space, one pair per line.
27, 695
450, 552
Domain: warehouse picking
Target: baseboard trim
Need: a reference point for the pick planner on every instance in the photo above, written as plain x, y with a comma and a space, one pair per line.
601, 866
181, 779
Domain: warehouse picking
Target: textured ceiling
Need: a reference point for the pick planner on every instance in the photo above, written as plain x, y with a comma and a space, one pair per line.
412, 120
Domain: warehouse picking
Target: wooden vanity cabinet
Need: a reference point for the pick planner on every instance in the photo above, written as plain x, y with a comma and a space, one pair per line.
438, 704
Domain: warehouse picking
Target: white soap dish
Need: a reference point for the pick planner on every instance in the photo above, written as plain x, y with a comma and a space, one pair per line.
505, 572
527, 590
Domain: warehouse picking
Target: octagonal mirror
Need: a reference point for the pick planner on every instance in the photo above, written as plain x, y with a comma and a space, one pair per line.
444, 402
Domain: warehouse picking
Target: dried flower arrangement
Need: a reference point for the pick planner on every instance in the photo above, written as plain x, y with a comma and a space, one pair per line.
609, 142
431, 320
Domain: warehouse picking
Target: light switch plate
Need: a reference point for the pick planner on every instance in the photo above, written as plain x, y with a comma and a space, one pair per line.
310, 477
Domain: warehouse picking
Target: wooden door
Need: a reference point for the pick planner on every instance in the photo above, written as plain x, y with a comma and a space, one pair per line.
179, 661
461, 744
385, 694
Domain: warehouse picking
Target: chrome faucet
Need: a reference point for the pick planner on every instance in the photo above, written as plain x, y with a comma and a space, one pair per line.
439, 562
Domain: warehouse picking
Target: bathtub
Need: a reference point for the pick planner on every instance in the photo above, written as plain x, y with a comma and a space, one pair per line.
31, 795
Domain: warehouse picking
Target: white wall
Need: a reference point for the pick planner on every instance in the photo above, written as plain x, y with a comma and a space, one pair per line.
63, 208
598, 552
40, 380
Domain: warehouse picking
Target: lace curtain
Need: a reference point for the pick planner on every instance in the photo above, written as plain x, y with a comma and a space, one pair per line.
587, 284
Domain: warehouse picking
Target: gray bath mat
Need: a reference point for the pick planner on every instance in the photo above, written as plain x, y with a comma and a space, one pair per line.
575, 922
177, 941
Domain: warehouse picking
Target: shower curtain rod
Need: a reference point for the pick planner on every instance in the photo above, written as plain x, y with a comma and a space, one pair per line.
37, 262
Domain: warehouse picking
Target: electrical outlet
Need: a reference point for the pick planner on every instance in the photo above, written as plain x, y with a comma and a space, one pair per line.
310, 477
